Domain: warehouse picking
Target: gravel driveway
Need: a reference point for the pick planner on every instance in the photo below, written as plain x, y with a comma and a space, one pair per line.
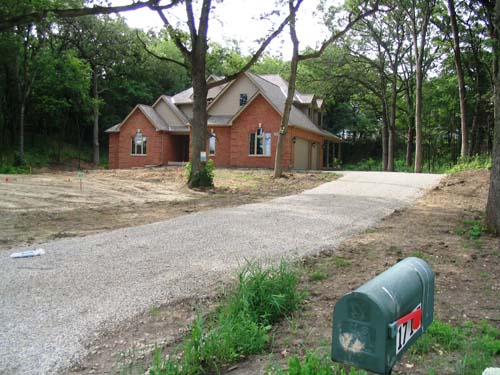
52, 305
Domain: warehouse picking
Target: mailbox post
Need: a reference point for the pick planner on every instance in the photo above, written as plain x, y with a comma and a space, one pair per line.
375, 324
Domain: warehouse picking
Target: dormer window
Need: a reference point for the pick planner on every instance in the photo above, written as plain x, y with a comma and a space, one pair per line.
243, 99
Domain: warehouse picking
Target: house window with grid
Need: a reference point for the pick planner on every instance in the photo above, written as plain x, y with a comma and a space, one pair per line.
211, 144
139, 144
260, 143
243, 99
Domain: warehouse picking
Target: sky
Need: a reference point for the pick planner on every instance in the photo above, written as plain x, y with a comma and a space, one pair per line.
240, 20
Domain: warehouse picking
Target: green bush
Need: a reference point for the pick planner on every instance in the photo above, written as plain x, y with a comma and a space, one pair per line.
240, 326
204, 178
475, 162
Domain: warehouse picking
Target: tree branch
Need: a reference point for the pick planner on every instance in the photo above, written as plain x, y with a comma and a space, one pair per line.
338, 35
257, 54
159, 57
27, 18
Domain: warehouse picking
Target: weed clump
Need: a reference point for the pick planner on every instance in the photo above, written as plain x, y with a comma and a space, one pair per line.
241, 324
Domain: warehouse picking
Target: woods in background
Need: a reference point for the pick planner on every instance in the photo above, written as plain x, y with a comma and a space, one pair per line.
391, 86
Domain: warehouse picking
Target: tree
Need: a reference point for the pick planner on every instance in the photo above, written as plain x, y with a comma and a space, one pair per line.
99, 41
460, 76
419, 12
296, 58
193, 47
493, 205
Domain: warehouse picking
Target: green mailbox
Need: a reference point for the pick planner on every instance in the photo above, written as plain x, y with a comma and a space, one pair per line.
375, 324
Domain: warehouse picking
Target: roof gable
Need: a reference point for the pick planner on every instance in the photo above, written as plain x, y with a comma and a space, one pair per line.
149, 113
182, 119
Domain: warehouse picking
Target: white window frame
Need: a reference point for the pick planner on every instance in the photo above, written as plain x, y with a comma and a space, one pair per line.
266, 140
139, 150
211, 142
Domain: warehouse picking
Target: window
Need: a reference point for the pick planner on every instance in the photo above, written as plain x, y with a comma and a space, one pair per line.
211, 144
243, 99
260, 143
139, 144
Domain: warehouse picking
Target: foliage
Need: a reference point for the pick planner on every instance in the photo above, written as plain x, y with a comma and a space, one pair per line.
476, 343
240, 326
475, 162
312, 364
204, 178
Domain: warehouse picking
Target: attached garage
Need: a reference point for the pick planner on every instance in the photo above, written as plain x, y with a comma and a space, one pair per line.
315, 156
301, 154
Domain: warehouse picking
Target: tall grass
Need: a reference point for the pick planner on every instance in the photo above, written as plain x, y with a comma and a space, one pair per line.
240, 326
477, 344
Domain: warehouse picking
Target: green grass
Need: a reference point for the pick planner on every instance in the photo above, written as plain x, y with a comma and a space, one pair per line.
443, 165
420, 254
312, 364
341, 262
475, 162
240, 326
318, 275
476, 344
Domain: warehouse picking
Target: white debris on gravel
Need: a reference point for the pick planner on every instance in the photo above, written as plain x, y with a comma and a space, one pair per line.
52, 306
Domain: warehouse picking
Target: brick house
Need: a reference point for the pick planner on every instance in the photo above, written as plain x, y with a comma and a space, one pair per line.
244, 117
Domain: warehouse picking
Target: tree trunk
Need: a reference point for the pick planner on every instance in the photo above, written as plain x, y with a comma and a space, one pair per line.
461, 80
493, 205
392, 122
278, 168
22, 112
385, 137
409, 142
95, 136
199, 124
418, 119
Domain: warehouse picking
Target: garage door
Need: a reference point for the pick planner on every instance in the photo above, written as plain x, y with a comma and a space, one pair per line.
301, 154
315, 156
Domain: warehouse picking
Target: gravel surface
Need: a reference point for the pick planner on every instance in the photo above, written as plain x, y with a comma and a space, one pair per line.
53, 305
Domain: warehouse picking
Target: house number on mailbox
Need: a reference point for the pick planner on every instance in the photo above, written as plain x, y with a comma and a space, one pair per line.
408, 325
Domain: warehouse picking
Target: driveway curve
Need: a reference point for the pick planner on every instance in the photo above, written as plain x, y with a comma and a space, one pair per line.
53, 305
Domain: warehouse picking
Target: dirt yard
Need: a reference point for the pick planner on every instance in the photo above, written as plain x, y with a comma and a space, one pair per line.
436, 229
41, 207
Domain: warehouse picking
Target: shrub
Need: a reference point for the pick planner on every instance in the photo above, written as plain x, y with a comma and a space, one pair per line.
204, 178
475, 162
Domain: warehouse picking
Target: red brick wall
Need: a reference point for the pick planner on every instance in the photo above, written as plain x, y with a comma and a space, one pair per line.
154, 145
222, 157
312, 137
114, 145
259, 111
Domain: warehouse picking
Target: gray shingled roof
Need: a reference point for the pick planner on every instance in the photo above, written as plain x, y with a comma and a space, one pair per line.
149, 112
219, 120
277, 98
175, 109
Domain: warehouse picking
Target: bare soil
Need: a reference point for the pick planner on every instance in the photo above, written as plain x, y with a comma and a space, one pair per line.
467, 286
41, 207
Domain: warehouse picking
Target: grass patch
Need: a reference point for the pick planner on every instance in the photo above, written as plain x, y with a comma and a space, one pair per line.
476, 344
341, 262
312, 364
475, 162
154, 311
318, 275
420, 254
240, 325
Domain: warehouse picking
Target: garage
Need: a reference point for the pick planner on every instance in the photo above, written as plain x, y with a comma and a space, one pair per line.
315, 156
301, 154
